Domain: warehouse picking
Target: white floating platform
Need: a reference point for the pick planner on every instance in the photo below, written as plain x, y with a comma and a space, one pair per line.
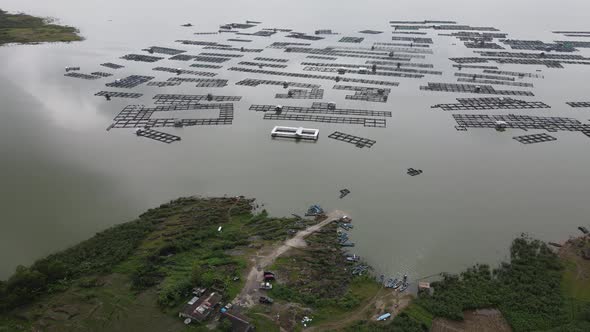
295, 132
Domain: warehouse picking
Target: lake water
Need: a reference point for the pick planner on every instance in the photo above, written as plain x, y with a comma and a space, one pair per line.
65, 177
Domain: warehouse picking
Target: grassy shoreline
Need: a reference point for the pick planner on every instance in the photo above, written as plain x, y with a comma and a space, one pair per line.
147, 267
27, 29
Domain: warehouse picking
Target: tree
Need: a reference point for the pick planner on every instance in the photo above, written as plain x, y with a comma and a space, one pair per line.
197, 275
224, 325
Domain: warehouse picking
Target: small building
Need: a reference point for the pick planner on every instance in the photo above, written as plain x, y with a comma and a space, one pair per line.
239, 323
199, 309
423, 285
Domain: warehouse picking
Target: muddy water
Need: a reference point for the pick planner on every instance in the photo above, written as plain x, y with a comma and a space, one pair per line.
65, 177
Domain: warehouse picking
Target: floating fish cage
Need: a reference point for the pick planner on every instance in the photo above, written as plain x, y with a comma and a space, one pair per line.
534, 138
295, 132
111, 65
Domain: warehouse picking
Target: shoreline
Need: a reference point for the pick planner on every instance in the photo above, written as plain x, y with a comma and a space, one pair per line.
23, 29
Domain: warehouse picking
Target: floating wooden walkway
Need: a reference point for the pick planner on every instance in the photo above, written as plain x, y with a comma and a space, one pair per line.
520, 84
468, 60
240, 40
235, 49
163, 50
543, 56
183, 57
363, 71
157, 135
111, 65
537, 45
82, 76
579, 103
179, 71
397, 32
524, 122
223, 55
322, 77
472, 35
117, 94
130, 81
256, 82
418, 40
201, 43
491, 77
400, 64
580, 44
139, 116
319, 108
512, 73
258, 58
489, 104
141, 58
469, 88
101, 74
464, 28
403, 49
371, 32
261, 33
321, 57
534, 138
359, 142
201, 82
205, 65
286, 45
191, 99
163, 84
365, 93
475, 67
213, 59
377, 123
340, 53
355, 67
301, 94
351, 39
262, 64
483, 45
322, 108
298, 35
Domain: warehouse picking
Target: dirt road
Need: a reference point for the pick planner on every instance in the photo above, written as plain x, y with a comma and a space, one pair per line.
249, 293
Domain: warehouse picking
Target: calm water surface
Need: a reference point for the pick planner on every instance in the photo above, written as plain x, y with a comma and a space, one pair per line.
65, 177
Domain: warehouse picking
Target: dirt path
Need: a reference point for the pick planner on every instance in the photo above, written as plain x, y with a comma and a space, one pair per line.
249, 293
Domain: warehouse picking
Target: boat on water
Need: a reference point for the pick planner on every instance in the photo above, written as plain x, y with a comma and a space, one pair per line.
404, 287
391, 282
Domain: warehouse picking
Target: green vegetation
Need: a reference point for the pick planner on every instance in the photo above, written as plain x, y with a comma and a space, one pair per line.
146, 265
316, 275
526, 290
96, 255
318, 278
147, 268
401, 323
21, 28
418, 314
